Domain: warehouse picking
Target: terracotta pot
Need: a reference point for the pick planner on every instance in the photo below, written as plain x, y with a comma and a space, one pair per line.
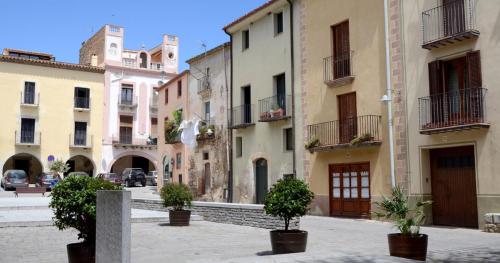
406, 246
291, 241
80, 253
179, 217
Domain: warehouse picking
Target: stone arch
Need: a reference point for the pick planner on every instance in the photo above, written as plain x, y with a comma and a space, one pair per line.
81, 163
149, 157
24, 161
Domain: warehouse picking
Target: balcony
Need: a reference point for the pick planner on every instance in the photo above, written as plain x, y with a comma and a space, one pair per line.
30, 100
133, 63
242, 116
449, 23
275, 108
360, 131
207, 130
126, 141
81, 141
27, 138
337, 70
82, 104
453, 111
204, 88
127, 105
153, 105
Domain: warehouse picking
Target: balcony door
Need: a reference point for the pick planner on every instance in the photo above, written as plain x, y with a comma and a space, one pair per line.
80, 133
348, 128
127, 93
453, 17
29, 93
247, 101
280, 91
341, 50
82, 98
27, 130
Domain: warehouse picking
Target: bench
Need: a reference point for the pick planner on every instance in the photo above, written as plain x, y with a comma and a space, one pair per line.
30, 190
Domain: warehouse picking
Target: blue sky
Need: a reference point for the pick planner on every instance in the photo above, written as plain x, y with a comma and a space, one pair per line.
59, 27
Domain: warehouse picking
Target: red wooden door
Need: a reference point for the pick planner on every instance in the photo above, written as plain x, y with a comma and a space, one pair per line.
454, 187
341, 50
348, 128
350, 190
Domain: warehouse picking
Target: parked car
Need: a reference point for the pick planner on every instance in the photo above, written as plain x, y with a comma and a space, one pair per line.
152, 177
78, 174
130, 176
14, 178
110, 177
48, 180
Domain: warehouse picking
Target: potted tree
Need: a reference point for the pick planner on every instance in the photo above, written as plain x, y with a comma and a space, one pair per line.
408, 243
177, 196
59, 167
288, 198
74, 204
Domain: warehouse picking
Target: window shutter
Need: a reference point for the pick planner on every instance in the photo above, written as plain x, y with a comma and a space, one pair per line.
474, 70
436, 77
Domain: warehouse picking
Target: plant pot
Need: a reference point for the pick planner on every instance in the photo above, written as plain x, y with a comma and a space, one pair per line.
291, 241
80, 253
179, 217
406, 246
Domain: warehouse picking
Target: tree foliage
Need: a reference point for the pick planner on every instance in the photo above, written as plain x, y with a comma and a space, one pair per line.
176, 195
287, 199
59, 166
74, 204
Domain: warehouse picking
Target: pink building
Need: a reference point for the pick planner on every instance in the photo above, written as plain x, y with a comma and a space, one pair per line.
130, 96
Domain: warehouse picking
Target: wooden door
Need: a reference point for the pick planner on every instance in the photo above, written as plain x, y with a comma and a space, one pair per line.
341, 50
454, 187
348, 128
260, 180
456, 96
350, 190
453, 17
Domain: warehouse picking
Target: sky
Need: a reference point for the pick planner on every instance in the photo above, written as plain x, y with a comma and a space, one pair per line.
59, 27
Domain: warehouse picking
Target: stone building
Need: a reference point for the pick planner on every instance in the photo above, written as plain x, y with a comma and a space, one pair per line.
130, 109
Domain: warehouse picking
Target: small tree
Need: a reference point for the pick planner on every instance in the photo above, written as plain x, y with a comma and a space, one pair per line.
176, 195
59, 167
287, 199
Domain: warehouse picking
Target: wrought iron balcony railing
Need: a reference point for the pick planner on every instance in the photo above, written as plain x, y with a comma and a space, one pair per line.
337, 70
464, 109
28, 138
360, 130
127, 104
81, 140
274, 108
451, 22
242, 116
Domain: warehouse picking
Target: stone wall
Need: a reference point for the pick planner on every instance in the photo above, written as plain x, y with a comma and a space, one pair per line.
227, 213
492, 223
94, 45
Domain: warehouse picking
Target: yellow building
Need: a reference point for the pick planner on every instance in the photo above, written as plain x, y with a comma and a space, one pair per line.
50, 110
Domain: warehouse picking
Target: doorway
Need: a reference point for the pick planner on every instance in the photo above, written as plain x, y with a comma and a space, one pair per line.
247, 102
350, 190
260, 180
348, 126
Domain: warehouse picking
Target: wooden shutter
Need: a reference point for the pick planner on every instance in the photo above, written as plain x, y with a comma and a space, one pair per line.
341, 50
436, 83
474, 70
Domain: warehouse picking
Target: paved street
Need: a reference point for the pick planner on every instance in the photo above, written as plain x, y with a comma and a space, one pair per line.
330, 240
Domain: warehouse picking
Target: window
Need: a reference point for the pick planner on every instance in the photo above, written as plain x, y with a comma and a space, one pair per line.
207, 112
166, 96
127, 94
278, 23
205, 156
126, 123
27, 130
288, 139
245, 39
154, 128
29, 93
80, 133
239, 146
144, 60
113, 49
341, 50
280, 86
82, 98
180, 178
179, 88
179, 161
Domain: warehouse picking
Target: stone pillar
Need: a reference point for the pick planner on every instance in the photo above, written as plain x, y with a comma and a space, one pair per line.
113, 235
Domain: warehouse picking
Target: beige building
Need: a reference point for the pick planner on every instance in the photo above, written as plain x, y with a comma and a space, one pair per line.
343, 78
450, 77
262, 100
50, 110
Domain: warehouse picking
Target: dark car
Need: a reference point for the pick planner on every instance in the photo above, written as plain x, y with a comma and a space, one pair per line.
14, 178
130, 176
47, 180
110, 177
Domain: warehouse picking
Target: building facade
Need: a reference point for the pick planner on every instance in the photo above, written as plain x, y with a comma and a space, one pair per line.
343, 79
262, 100
173, 108
51, 111
130, 110
208, 101
450, 75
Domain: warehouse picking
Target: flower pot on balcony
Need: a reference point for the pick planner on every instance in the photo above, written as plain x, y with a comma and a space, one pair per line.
265, 115
277, 113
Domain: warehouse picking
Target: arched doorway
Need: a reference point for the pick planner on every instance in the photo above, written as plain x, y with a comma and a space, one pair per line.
167, 170
80, 163
132, 161
144, 60
26, 162
260, 180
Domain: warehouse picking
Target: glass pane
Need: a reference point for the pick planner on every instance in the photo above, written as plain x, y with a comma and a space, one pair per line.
336, 192
345, 174
336, 182
365, 182
354, 192
354, 181
346, 182
354, 174
365, 193
347, 193
364, 173
336, 174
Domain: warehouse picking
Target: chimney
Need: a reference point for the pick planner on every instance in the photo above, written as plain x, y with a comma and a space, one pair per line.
93, 60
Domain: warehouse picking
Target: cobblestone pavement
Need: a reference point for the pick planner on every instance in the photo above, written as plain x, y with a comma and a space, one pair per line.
330, 240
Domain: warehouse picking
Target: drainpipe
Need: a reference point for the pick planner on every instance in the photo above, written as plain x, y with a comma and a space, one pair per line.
230, 131
292, 76
388, 96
